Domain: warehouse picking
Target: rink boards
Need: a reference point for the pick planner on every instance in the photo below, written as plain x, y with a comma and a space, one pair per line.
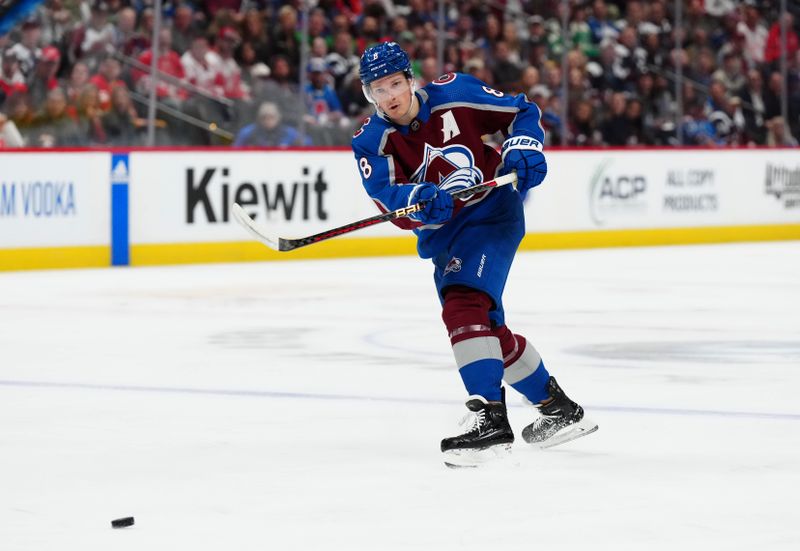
103, 208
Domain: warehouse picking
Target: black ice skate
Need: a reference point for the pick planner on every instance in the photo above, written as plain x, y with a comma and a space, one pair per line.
561, 420
487, 435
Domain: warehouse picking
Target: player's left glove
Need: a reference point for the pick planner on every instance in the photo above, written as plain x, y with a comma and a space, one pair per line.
438, 204
524, 155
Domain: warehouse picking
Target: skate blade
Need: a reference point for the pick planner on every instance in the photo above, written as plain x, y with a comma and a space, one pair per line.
460, 459
567, 434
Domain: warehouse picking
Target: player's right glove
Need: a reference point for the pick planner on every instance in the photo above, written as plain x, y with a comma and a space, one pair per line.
523, 154
438, 208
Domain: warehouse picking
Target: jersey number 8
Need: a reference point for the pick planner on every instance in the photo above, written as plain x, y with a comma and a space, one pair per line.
492, 91
366, 168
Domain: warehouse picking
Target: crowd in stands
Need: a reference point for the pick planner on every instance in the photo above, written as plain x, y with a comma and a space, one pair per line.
77, 73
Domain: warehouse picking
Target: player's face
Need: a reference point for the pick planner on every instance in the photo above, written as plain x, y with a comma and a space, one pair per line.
392, 94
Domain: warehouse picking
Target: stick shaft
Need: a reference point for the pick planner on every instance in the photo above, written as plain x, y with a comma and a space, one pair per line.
283, 244
393, 215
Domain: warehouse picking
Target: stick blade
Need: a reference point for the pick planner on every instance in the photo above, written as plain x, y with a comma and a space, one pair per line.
255, 230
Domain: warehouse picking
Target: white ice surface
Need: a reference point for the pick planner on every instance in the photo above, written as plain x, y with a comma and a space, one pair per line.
299, 405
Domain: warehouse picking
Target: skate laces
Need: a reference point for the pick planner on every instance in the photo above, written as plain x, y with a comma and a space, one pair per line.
472, 420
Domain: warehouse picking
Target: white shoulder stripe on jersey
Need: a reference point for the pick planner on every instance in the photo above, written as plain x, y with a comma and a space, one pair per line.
389, 161
478, 106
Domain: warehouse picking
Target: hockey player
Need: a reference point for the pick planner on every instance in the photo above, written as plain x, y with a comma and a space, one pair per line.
420, 146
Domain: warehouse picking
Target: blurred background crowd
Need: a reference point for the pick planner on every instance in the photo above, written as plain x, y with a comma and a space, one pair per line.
267, 73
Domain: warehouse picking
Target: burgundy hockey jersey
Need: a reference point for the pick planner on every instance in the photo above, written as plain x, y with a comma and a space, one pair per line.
443, 145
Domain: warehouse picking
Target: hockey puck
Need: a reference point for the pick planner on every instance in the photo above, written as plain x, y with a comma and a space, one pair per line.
122, 522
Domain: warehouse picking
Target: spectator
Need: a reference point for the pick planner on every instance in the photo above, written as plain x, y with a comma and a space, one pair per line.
616, 129
229, 75
18, 109
477, 68
730, 74
491, 35
10, 74
27, 50
639, 133
43, 78
583, 128
78, 78
505, 70
168, 63
319, 47
9, 134
529, 79
54, 127
284, 39
772, 52
778, 134
658, 107
657, 17
723, 114
318, 27
88, 114
57, 23
184, 28
201, 65
127, 39
323, 104
121, 124
772, 95
755, 34
428, 71
630, 57
269, 131
342, 60
354, 103
255, 34
106, 79
697, 130
94, 39
752, 98
703, 67
534, 50
603, 29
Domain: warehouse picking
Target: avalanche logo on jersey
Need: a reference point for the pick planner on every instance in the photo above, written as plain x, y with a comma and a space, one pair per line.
451, 167
453, 266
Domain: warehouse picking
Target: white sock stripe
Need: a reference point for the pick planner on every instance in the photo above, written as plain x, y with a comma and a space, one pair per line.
479, 348
524, 367
468, 329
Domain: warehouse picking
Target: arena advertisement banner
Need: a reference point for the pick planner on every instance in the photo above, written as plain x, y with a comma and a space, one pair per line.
598, 190
97, 208
180, 205
54, 200
186, 197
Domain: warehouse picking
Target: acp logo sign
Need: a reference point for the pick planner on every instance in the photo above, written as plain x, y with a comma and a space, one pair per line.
615, 194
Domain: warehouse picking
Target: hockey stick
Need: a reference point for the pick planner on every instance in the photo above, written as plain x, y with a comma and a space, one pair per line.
283, 244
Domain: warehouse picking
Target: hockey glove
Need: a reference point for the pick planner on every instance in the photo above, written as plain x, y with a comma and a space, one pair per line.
523, 154
438, 207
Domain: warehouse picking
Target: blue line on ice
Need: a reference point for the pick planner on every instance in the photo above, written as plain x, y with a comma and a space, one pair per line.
384, 399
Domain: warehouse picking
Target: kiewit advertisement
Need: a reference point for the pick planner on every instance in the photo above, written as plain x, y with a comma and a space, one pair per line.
54, 200
186, 197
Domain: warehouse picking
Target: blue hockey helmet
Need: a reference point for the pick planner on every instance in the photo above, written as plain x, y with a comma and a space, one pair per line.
382, 60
